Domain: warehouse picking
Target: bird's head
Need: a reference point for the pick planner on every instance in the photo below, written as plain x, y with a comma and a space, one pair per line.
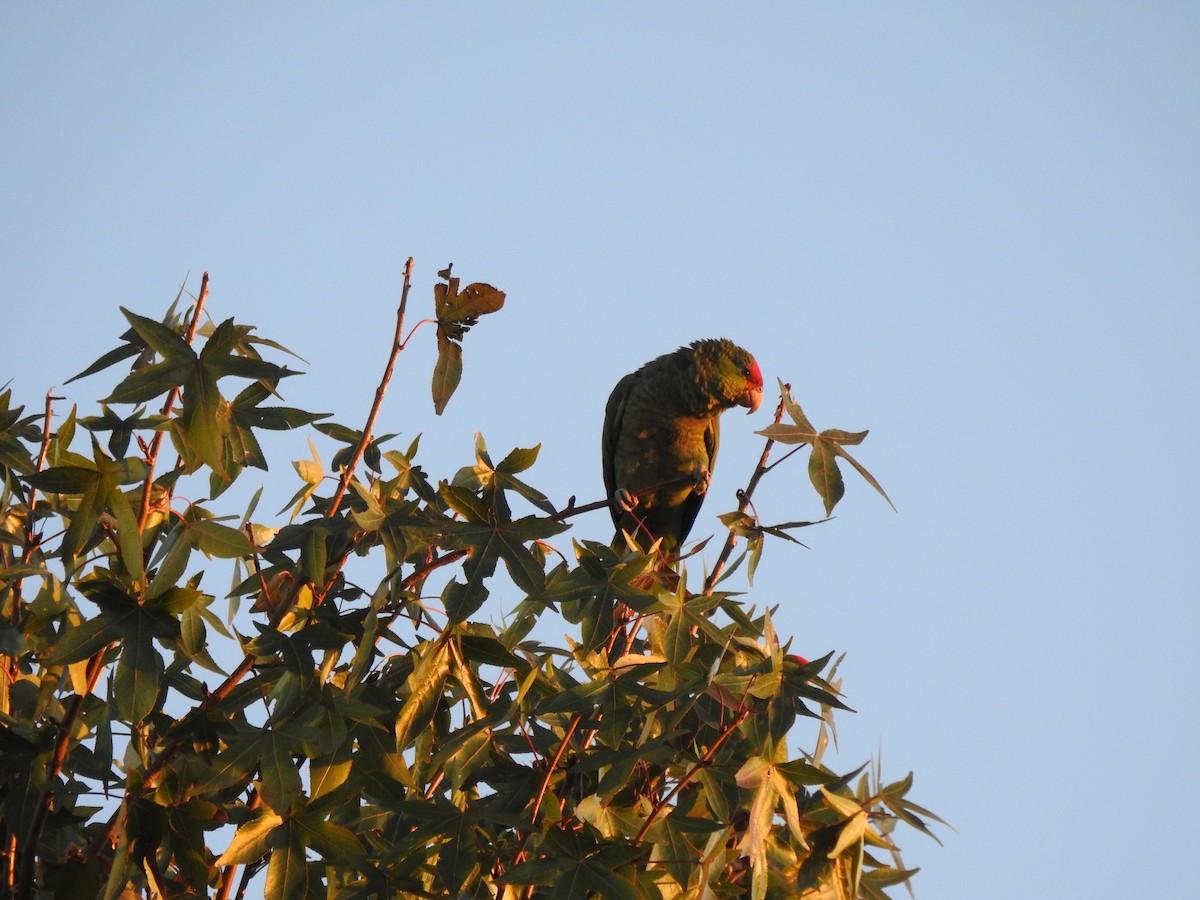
730, 374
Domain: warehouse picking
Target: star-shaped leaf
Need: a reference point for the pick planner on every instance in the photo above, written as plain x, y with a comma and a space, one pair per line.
827, 447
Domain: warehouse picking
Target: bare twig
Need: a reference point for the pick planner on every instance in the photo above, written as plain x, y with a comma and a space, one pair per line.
41, 460
364, 442
551, 769
573, 510
413, 330
541, 794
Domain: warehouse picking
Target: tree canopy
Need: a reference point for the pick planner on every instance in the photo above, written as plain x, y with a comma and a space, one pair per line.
386, 741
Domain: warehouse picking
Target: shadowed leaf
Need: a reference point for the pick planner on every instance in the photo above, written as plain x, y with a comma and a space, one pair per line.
456, 313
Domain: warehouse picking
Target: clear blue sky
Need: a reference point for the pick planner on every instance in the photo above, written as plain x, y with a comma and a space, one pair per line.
971, 228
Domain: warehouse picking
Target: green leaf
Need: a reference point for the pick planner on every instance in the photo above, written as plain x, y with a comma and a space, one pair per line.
794, 410
447, 372
752, 773
787, 434
457, 857
246, 412
84, 520
519, 459
245, 367
462, 600
221, 541
129, 538
825, 476
147, 382
469, 757
865, 474
63, 479
162, 340
81, 641
674, 849
424, 689
583, 697
193, 637
132, 347
199, 424
837, 436
329, 772
280, 780
754, 548
800, 772
122, 428
286, 876
313, 556
139, 672
251, 841
334, 842
176, 549
853, 831
456, 313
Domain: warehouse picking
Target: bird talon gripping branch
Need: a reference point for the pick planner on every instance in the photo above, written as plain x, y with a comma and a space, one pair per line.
625, 500
663, 420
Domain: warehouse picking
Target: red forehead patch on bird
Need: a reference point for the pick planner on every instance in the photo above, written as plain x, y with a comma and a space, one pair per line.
754, 374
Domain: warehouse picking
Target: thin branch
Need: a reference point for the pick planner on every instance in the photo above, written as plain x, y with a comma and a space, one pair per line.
172, 397
285, 605
795, 449
31, 539
704, 761
364, 442
413, 330
225, 885
94, 664
550, 770
41, 461
744, 501
247, 873
573, 510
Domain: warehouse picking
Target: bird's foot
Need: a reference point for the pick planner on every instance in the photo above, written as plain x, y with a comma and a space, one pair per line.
626, 501
700, 479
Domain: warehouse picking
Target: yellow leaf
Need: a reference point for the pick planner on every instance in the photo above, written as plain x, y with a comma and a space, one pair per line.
852, 833
250, 841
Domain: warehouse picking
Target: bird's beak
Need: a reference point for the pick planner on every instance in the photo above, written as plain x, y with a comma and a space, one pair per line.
751, 398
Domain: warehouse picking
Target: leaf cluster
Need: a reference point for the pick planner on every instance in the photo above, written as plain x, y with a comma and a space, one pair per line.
827, 446
381, 740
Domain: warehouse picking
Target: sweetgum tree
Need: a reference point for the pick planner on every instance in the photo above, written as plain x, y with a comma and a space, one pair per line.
385, 741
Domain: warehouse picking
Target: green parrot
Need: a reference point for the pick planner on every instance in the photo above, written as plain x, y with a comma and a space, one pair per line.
661, 430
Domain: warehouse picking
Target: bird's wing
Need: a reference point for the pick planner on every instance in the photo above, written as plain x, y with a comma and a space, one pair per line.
614, 415
712, 440
690, 508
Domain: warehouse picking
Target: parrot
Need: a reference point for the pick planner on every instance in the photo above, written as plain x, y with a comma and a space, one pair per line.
660, 437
